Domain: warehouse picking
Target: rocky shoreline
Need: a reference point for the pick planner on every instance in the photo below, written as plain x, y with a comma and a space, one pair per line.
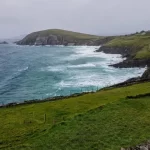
130, 62
4, 42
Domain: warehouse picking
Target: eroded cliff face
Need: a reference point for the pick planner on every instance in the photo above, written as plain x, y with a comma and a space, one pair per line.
128, 63
36, 39
126, 52
40, 40
49, 40
144, 146
115, 50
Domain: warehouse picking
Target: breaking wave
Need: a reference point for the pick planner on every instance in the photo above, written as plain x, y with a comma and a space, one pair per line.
38, 72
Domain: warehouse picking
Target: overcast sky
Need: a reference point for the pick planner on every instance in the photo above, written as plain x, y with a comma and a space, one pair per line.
104, 17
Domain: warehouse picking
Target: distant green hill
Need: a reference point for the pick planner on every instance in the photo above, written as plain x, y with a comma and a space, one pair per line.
75, 35
58, 37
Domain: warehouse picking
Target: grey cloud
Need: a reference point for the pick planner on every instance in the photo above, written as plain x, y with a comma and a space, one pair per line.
104, 17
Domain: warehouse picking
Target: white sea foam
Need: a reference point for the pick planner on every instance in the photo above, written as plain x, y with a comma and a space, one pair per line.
101, 79
89, 51
23, 69
52, 69
88, 65
107, 76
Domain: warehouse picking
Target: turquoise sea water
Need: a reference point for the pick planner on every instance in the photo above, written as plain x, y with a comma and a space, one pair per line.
30, 72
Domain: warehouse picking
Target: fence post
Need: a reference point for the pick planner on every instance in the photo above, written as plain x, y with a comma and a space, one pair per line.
53, 121
33, 115
63, 118
44, 118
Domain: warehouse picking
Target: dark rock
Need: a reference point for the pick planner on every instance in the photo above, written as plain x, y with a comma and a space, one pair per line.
133, 80
41, 41
126, 52
146, 74
4, 42
128, 63
115, 50
54, 40
11, 104
62, 37
145, 146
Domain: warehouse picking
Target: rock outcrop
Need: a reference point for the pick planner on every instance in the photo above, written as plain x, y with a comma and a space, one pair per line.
145, 146
51, 40
4, 42
128, 63
62, 37
146, 74
57, 37
115, 50
126, 52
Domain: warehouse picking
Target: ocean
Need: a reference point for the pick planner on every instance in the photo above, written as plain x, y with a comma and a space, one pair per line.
38, 72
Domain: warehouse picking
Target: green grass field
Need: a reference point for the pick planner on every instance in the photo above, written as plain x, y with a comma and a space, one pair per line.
65, 33
57, 125
119, 124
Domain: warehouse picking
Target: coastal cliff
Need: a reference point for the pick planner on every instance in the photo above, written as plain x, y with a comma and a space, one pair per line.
135, 48
126, 52
62, 37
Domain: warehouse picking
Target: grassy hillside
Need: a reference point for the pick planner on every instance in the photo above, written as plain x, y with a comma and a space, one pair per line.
139, 44
36, 126
58, 37
75, 35
116, 125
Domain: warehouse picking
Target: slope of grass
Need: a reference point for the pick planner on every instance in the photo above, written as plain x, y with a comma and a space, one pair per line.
75, 35
62, 37
18, 124
120, 124
139, 44
66, 34
144, 53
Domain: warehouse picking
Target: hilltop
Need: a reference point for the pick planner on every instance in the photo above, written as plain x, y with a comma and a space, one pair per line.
60, 37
